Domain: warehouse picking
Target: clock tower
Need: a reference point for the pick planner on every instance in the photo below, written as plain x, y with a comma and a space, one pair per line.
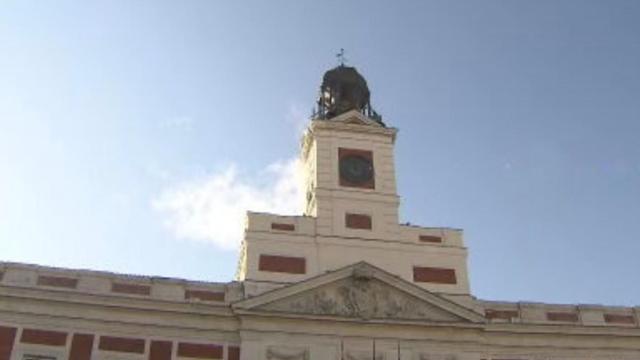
351, 207
347, 154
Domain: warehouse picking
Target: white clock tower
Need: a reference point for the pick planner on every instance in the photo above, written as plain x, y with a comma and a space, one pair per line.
351, 212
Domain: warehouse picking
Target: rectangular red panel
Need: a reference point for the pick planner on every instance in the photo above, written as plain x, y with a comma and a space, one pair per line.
282, 264
57, 281
233, 353
501, 314
283, 227
44, 337
358, 221
201, 351
434, 275
81, 346
160, 350
111, 343
130, 289
204, 295
7, 336
430, 238
366, 154
619, 319
562, 316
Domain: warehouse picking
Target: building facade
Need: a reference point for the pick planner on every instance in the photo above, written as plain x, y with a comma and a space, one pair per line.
343, 281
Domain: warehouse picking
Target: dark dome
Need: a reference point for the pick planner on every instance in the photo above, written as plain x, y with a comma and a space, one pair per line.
349, 83
343, 89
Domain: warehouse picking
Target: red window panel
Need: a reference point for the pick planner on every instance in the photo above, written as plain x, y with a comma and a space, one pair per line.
204, 295
44, 337
283, 227
7, 336
430, 238
160, 350
282, 264
501, 314
129, 345
134, 289
619, 319
201, 351
358, 221
81, 347
233, 353
434, 275
57, 281
562, 316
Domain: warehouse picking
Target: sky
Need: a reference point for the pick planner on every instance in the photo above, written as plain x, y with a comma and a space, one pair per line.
134, 134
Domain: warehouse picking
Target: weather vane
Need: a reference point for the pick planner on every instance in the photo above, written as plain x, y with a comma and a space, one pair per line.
341, 57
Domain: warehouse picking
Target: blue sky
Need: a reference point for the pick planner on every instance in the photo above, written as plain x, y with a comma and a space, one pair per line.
519, 122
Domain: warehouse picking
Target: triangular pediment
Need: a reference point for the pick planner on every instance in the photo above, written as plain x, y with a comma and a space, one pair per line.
360, 291
355, 117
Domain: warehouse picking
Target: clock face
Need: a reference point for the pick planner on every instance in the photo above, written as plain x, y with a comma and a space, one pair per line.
356, 169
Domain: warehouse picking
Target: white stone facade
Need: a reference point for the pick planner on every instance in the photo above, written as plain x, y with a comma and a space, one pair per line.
321, 286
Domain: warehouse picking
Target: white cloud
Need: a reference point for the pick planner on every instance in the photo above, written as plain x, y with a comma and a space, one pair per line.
213, 208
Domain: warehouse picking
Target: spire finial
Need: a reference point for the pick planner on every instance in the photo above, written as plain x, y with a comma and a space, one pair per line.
341, 57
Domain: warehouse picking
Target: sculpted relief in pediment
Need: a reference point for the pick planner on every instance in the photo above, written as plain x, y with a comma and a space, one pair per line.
360, 297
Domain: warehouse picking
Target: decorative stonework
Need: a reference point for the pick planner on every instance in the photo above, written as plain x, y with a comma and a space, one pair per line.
361, 296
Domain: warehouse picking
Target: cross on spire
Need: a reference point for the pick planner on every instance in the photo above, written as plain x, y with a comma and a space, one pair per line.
341, 57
